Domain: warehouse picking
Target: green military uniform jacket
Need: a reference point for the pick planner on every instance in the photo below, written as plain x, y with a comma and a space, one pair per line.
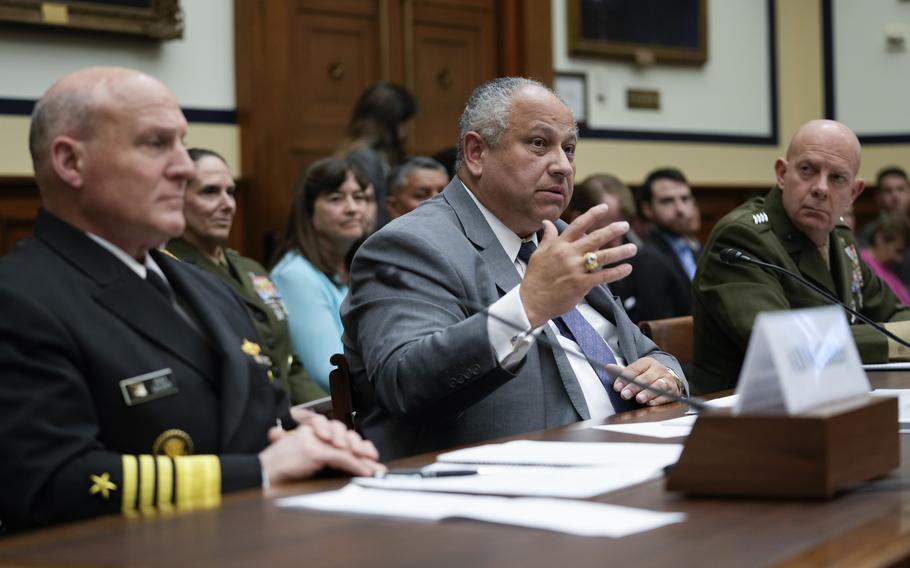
727, 298
250, 281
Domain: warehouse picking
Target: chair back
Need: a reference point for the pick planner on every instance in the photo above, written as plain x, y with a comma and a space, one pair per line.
341, 390
673, 335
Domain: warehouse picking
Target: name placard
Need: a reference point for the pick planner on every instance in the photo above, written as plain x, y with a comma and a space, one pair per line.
798, 360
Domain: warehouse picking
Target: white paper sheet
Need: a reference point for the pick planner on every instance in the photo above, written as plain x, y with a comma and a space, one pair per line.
673, 428
569, 482
581, 518
530, 452
723, 402
897, 366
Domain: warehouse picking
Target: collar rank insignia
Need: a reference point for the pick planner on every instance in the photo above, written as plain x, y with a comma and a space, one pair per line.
102, 484
760, 217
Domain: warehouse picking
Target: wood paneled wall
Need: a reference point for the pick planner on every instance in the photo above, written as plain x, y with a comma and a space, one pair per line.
302, 64
19, 203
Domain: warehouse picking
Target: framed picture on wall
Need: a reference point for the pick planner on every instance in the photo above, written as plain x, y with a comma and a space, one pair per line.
645, 31
573, 89
159, 19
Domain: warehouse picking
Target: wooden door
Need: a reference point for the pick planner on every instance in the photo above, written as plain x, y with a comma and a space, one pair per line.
450, 49
301, 64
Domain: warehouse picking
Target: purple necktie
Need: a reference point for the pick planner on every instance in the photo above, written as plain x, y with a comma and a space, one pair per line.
575, 327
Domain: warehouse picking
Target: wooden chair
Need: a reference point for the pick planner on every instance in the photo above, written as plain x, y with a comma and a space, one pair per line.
673, 335
342, 391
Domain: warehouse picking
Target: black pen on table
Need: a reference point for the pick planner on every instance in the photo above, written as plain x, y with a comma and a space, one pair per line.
418, 472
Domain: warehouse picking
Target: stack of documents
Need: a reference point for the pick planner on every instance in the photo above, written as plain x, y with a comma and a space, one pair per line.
574, 517
539, 470
564, 454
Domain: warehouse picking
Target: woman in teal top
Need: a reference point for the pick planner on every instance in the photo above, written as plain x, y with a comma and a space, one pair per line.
328, 216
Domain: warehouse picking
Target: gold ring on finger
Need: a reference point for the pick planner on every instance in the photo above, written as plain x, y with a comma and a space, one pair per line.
591, 262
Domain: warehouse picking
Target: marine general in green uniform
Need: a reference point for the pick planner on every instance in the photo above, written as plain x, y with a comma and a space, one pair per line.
209, 207
798, 226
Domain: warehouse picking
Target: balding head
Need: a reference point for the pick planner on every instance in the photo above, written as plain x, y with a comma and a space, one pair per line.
70, 105
818, 177
827, 133
107, 146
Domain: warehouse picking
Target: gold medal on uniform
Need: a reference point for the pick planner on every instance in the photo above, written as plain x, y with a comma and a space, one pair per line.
172, 443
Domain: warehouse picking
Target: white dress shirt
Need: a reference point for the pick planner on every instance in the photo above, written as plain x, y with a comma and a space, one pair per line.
512, 342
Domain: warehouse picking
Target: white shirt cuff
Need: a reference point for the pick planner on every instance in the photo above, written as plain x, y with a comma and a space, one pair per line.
509, 330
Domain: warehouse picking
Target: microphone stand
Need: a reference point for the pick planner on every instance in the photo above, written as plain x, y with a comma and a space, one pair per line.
735, 256
391, 276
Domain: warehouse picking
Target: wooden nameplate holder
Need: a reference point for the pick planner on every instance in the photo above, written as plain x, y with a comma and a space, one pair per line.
811, 455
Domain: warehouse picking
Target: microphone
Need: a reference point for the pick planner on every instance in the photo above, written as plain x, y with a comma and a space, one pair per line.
392, 276
736, 256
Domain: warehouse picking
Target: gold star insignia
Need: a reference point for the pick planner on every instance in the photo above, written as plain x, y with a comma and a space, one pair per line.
102, 484
250, 348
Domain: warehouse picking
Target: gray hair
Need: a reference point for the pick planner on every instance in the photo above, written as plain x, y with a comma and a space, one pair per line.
64, 111
487, 111
399, 175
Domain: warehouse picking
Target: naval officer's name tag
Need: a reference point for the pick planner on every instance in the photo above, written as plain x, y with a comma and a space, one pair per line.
798, 360
148, 387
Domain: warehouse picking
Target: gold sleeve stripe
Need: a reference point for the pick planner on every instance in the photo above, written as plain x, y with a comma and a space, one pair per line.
130, 481
198, 480
146, 484
165, 484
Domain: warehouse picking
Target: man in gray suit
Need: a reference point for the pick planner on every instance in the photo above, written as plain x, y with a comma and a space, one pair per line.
431, 370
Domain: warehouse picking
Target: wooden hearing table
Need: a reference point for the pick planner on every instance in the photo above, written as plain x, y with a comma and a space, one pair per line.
868, 526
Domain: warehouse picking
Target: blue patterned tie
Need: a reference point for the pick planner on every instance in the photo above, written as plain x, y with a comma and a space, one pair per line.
572, 325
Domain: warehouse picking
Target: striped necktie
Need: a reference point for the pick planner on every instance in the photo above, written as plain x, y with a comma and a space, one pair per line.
573, 326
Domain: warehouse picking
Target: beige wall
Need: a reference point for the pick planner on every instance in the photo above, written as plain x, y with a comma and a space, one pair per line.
199, 69
800, 84
14, 159
800, 97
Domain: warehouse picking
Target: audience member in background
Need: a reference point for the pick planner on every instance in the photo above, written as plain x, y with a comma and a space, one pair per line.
209, 205
607, 189
413, 182
892, 195
664, 277
132, 383
375, 137
890, 235
796, 226
694, 228
327, 218
447, 157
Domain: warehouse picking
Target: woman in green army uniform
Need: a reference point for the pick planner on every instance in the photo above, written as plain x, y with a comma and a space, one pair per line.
209, 207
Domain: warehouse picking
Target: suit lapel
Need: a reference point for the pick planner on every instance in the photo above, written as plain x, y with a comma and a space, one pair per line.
502, 268
234, 379
805, 255
478, 231
121, 291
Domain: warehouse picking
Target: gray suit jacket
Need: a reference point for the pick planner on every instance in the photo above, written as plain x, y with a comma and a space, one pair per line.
425, 376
